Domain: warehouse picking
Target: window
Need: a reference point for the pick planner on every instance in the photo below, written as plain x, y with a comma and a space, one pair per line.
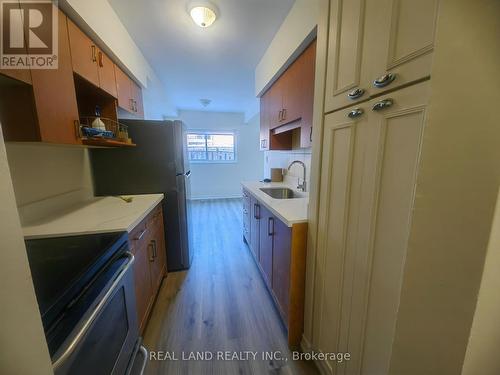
211, 147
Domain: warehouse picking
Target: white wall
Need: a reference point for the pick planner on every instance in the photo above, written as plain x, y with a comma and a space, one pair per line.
296, 32
22, 341
48, 178
101, 20
223, 180
484, 341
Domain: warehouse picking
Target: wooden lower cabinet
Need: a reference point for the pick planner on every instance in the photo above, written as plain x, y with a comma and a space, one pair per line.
280, 253
266, 245
254, 227
282, 236
147, 242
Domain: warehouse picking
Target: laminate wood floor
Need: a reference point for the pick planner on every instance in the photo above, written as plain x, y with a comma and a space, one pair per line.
220, 304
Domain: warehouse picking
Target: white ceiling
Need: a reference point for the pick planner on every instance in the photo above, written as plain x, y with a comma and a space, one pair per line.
216, 63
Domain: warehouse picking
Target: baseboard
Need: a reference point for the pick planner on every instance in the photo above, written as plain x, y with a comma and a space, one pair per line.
209, 197
306, 347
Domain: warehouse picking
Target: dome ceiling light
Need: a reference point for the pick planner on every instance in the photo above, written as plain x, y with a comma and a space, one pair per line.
203, 14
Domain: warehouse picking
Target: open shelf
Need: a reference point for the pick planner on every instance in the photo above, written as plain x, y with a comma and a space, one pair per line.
106, 142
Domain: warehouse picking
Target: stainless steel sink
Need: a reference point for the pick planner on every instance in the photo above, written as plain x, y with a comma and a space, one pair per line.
280, 193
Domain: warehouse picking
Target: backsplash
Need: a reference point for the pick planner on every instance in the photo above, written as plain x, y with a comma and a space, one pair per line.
48, 178
282, 159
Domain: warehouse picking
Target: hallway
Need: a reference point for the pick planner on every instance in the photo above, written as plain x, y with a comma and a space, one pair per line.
220, 304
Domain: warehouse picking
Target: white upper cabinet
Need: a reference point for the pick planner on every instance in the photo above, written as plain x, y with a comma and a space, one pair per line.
377, 45
399, 41
346, 82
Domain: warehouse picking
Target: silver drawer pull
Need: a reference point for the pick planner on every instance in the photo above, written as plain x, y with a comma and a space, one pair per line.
384, 80
356, 112
386, 103
356, 93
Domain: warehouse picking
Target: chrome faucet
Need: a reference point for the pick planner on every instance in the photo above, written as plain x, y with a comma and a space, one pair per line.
302, 186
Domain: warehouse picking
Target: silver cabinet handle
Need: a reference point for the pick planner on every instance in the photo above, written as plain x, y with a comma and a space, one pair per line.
70, 348
386, 103
280, 116
356, 112
141, 235
356, 93
384, 80
284, 114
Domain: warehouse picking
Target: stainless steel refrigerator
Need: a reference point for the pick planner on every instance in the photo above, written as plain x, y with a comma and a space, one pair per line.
158, 164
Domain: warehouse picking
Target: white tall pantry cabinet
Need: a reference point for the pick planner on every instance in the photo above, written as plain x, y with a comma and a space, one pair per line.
407, 168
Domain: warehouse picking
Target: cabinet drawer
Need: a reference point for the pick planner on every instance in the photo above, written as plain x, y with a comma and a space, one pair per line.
138, 237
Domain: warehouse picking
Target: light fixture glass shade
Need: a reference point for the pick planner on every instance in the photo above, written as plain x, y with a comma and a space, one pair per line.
203, 16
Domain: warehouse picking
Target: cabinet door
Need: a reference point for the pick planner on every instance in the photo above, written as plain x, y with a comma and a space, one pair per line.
291, 87
123, 89
106, 71
281, 267
342, 163
247, 215
275, 104
136, 93
83, 54
264, 122
266, 229
23, 75
55, 96
345, 52
399, 40
143, 283
159, 256
369, 174
306, 101
391, 173
255, 227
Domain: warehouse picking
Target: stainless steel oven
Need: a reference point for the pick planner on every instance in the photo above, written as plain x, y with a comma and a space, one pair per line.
85, 290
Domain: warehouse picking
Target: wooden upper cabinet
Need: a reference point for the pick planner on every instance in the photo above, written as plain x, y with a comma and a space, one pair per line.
90, 62
291, 89
123, 89
129, 93
275, 103
264, 122
55, 97
106, 73
136, 94
306, 102
288, 104
375, 46
23, 75
84, 54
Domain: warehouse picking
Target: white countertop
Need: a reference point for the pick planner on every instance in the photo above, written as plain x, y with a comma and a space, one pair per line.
99, 215
289, 211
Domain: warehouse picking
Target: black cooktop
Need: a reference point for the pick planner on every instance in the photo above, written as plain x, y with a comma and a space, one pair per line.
62, 266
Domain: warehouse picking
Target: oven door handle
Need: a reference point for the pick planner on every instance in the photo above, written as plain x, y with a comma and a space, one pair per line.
70, 348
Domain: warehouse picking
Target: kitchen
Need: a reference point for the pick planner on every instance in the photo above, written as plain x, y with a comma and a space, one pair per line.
280, 186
